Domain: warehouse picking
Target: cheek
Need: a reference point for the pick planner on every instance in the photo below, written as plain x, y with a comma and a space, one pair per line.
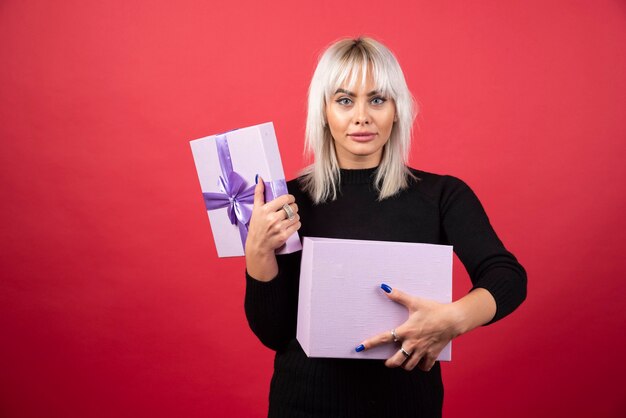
336, 121
386, 122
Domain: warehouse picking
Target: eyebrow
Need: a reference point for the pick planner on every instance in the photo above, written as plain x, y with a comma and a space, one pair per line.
349, 93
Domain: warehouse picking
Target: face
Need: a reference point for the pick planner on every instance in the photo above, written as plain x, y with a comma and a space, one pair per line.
360, 122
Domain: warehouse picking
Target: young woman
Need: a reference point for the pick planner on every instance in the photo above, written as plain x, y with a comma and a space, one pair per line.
360, 115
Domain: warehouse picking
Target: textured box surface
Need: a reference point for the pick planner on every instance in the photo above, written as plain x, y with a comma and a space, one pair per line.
250, 151
340, 300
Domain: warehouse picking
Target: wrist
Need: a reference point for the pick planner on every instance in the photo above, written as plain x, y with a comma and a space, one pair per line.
459, 319
261, 264
257, 251
473, 310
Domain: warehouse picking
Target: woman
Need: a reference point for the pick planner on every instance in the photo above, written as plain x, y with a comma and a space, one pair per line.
360, 114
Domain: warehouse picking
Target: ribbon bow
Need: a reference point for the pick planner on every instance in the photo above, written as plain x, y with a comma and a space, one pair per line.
234, 193
235, 196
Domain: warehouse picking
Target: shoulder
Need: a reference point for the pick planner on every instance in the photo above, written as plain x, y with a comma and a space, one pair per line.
294, 185
436, 186
295, 188
450, 193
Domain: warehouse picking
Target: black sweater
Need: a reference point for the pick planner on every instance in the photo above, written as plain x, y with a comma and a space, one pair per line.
434, 209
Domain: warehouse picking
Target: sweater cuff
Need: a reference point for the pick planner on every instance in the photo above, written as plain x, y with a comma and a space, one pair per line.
508, 291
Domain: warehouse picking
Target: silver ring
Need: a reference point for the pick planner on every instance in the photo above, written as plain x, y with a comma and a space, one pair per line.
395, 336
406, 353
290, 215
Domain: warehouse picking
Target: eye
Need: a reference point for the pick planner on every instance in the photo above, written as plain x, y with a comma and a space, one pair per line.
344, 101
378, 100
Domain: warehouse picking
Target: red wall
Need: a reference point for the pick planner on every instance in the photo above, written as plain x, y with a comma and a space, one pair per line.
112, 299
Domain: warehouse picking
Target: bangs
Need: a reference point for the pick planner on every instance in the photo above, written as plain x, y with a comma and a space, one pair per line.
353, 67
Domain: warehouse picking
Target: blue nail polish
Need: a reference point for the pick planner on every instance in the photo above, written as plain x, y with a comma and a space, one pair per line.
386, 288
256, 179
359, 348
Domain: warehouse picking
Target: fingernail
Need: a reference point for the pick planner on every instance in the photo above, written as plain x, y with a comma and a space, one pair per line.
386, 288
256, 179
359, 348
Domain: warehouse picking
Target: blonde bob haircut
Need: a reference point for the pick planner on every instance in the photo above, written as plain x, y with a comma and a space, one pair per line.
340, 66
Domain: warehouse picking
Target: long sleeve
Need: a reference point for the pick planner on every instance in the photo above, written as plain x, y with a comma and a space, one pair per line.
271, 307
489, 264
434, 209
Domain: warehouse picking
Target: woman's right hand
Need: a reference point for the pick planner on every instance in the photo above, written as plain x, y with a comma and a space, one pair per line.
268, 230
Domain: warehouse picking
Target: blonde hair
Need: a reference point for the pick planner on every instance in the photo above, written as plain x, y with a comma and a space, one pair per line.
339, 65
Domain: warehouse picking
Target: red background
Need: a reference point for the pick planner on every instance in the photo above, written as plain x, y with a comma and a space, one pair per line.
112, 299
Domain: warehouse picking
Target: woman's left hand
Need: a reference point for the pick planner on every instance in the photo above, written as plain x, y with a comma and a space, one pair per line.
430, 326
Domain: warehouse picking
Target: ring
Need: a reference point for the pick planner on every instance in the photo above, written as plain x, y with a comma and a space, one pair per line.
406, 353
289, 211
395, 336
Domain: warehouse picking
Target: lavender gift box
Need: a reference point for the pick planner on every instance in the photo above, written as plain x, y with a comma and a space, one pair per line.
340, 301
227, 165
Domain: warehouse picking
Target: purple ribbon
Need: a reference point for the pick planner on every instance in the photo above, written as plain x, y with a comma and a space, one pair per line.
234, 194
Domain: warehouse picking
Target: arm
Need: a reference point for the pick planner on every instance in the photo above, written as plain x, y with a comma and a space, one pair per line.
499, 285
271, 306
268, 230
271, 281
489, 264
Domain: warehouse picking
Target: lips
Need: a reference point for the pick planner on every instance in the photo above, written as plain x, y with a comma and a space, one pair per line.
362, 136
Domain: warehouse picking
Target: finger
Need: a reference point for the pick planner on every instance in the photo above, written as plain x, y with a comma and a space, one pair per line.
259, 190
291, 229
398, 359
382, 338
281, 236
283, 212
427, 363
277, 204
412, 361
286, 223
279, 219
286, 227
398, 295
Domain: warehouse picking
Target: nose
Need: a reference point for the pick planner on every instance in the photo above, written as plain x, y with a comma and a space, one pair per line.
361, 115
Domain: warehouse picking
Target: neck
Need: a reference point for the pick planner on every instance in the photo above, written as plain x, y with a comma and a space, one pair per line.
358, 164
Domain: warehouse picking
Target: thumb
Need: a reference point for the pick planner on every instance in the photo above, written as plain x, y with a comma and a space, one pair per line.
397, 295
259, 192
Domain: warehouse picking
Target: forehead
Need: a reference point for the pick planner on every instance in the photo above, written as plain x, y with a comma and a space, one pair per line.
358, 76
357, 85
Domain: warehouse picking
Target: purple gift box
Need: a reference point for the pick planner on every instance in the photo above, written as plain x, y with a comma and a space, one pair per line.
341, 303
227, 165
